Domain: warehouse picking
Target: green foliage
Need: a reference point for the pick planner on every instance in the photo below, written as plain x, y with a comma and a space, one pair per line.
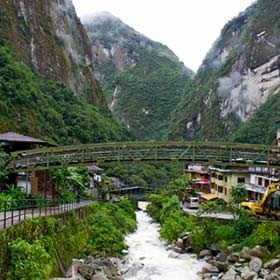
178, 186
238, 194
202, 106
150, 83
7, 198
153, 175
70, 181
32, 105
28, 261
155, 206
170, 206
35, 243
266, 116
266, 234
174, 224
105, 239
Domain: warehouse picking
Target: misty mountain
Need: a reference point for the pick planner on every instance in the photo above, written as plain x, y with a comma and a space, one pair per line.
237, 80
47, 85
143, 80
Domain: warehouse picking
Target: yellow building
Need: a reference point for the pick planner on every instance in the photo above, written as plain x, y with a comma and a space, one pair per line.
222, 179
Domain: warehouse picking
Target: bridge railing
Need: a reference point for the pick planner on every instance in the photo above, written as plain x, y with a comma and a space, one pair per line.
15, 211
195, 152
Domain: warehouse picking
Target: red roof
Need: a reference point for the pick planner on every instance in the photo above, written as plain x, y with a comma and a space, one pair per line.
15, 137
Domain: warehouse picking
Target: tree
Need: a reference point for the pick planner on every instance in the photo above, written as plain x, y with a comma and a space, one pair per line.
178, 186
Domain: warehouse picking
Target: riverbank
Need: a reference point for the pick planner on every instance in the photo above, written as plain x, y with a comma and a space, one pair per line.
44, 247
147, 258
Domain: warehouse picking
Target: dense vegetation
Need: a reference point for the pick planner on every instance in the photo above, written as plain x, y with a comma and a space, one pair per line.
244, 231
268, 117
32, 105
153, 175
147, 77
225, 89
31, 250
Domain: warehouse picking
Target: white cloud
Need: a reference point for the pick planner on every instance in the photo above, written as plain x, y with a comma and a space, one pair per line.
188, 27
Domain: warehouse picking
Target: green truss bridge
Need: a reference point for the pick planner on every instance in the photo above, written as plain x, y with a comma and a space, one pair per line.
215, 153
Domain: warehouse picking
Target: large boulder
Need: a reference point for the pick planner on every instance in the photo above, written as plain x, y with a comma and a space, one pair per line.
98, 268
248, 274
255, 264
259, 251
246, 253
230, 275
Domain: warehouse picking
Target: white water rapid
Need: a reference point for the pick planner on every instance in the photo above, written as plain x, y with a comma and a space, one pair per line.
148, 258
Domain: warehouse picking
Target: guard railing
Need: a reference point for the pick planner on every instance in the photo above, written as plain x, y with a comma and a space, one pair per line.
15, 211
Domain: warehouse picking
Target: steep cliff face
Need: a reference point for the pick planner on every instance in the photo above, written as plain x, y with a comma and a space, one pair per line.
143, 79
239, 74
49, 36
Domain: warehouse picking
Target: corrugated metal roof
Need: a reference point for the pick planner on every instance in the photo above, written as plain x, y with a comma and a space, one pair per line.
15, 137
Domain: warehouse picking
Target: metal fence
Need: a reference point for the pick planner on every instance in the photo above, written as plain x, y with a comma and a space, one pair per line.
15, 211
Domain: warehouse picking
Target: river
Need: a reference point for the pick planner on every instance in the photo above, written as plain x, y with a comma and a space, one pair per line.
149, 259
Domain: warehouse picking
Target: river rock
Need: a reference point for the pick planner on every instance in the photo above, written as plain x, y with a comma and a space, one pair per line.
204, 253
277, 271
177, 249
259, 251
233, 257
247, 274
99, 267
274, 263
272, 276
173, 255
230, 275
255, 264
220, 265
245, 253
207, 268
221, 257
215, 249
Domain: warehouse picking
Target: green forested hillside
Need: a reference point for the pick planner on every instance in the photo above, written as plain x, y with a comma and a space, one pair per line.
236, 83
33, 105
262, 127
143, 79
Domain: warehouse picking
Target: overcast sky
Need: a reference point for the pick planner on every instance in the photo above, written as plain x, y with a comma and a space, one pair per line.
187, 27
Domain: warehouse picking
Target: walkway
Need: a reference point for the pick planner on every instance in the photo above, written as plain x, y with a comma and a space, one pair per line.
13, 217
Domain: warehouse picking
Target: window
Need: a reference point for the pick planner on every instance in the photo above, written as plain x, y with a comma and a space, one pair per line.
240, 180
260, 181
220, 189
226, 179
225, 191
213, 175
220, 177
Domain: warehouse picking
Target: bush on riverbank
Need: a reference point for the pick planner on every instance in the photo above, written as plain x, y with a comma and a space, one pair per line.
39, 248
244, 231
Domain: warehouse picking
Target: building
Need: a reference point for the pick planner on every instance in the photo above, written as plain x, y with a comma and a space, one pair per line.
12, 142
278, 134
224, 177
200, 177
36, 182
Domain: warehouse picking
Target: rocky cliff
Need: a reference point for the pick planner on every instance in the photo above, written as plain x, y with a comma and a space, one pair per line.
239, 75
47, 86
143, 79
49, 36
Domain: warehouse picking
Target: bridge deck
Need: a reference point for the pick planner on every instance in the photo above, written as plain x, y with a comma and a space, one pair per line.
192, 152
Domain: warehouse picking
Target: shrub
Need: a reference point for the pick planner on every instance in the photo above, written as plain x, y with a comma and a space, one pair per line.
28, 261
175, 224
105, 239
